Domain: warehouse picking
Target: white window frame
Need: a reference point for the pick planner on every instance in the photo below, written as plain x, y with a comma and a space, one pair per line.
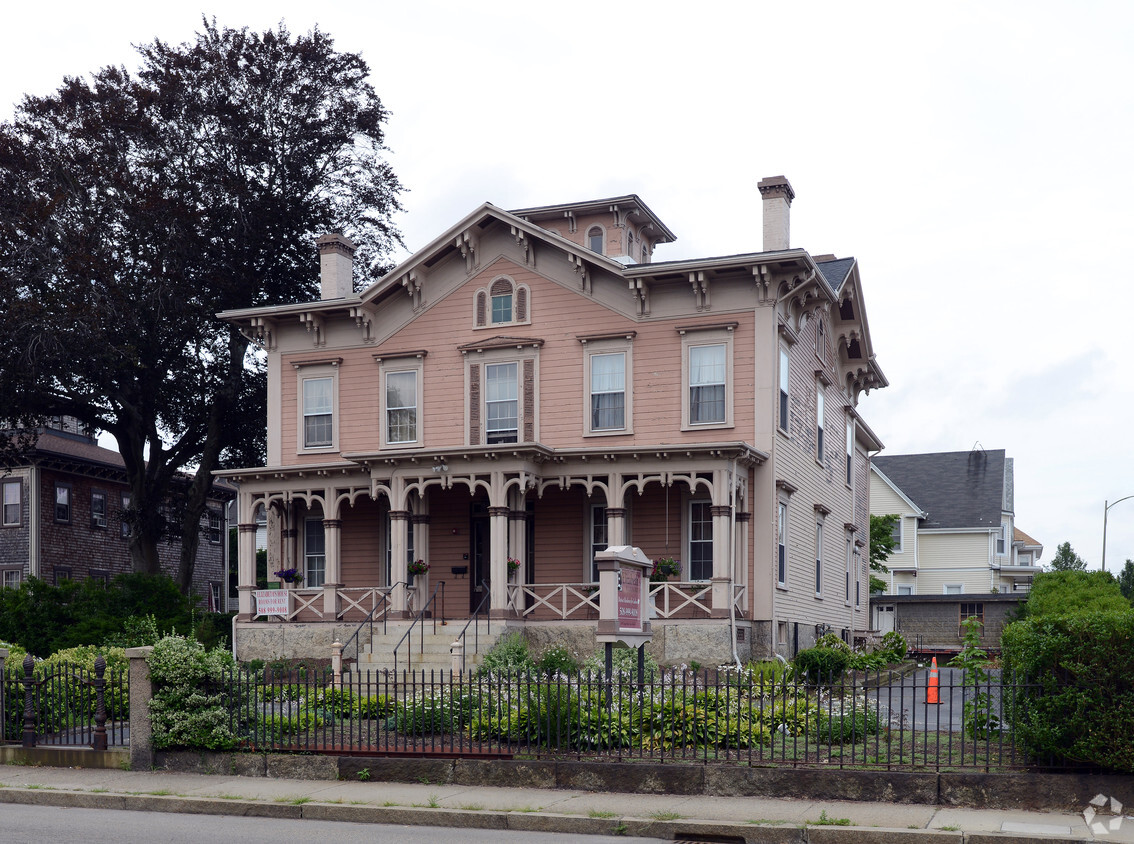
492, 300
314, 371
908, 590
784, 408
13, 498
397, 365
818, 558
215, 525
953, 589
63, 500
11, 579
1000, 541
857, 580
850, 452
516, 400
820, 413
899, 529
597, 534
700, 336
588, 238
690, 541
492, 357
99, 515
597, 347
850, 560
781, 545
314, 562
123, 523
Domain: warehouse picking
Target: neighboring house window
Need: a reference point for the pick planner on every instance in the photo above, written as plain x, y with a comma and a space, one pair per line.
700, 540
905, 590
598, 536
314, 552
501, 394
595, 239
781, 544
214, 526
100, 576
401, 407
819, 453
954, 588
11, 579
896, 535
318, 404
706, 376
1024, 560
98, 509
13, 503
59, 574
608, 392
850, 550
124, 521
785, 376
850, 452
818, 558
63, 503
972, 611
215, 597
782, 632
1002, 540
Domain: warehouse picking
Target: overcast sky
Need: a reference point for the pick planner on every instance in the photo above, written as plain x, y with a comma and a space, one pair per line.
974, 157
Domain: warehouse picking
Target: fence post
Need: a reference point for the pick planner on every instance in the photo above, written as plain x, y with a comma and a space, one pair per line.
337, 663
98, 742
3, 693
29, 703
141, 690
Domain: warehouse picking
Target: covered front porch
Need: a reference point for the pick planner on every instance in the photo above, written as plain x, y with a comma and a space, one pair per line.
509, 532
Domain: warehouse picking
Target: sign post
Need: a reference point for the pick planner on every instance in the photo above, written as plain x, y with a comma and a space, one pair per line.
624, 601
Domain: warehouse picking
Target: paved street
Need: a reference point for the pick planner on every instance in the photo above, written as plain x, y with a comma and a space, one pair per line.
904, 703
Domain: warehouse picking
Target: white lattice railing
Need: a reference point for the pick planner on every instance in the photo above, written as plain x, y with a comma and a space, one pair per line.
562, 600
670, 599
365, 600
304, 599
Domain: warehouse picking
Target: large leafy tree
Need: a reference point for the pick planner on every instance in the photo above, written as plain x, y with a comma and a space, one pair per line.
1066, 559
882, 545
135, 207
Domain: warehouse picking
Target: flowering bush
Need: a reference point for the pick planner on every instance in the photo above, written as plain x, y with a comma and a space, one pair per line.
418, 567
289, 575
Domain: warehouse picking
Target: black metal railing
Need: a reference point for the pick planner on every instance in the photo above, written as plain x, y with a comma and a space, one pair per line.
69, 705
428, 610
382, 608
474, 621
872, 720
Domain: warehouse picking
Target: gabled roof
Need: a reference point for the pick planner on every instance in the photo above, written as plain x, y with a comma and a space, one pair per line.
631, 203
957, 489
835, 272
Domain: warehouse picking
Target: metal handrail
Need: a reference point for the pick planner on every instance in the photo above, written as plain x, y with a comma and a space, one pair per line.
475, 621
369, 620
440, 587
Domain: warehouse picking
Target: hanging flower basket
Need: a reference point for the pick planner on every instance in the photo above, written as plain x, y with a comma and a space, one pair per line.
664, 568
513, 566
290, 576
417, 567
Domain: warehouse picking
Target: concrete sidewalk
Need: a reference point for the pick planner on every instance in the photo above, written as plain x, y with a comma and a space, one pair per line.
689, 818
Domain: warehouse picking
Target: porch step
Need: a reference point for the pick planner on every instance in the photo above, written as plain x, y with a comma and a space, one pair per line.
431, 652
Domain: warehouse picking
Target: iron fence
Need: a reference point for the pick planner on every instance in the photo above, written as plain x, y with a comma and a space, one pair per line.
874, 720
58, 704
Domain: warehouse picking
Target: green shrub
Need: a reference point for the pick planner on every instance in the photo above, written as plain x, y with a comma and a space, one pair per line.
190, 707
434, 713
821, 665
894, 645
509, 656
833, 641
1073, 592
846, 722
557, 661
1078, 703
624, 664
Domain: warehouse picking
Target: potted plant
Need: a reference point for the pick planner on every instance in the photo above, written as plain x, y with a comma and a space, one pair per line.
664, 568
513, 566
417, 567
292, 577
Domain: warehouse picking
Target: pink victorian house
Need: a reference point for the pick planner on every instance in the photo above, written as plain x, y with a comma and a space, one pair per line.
533, 386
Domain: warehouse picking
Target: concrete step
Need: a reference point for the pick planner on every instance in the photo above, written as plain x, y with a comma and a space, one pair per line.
425, 651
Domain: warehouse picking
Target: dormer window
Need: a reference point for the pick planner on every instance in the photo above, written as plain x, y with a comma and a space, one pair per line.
595, 239
502, 303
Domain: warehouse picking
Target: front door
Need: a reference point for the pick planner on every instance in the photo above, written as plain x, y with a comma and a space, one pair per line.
884, 618
479, 571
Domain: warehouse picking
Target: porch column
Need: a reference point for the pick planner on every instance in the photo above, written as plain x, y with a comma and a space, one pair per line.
421, 552
518, 544
245, 558
332, 572
498, 561
399, 541
615, 526
722, 559
289, 537
740, 559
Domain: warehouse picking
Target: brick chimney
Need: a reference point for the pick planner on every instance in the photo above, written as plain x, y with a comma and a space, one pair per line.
777, 195
336, 266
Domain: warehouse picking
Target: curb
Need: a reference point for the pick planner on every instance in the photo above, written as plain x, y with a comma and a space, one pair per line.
513, 821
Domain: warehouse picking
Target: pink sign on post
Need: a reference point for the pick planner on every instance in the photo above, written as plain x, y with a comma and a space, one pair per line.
630, 600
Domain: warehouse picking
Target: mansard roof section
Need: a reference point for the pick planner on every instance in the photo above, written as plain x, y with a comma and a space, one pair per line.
631, 205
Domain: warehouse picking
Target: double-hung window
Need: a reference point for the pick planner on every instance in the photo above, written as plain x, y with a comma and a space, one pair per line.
502, 308
819, 453
700, 540
781, 546
608, 392
13, 503
125, 516
818, 558
98, 509
785, 376
314, 551
598, 536
500, 402
62, 503
707, 384
401, 407
318, 409
850, 452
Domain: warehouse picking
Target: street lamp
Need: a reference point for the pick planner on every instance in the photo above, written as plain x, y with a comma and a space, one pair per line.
1106, 510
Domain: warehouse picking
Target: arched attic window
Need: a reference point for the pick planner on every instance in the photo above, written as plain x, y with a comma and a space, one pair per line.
595, 239
502, 303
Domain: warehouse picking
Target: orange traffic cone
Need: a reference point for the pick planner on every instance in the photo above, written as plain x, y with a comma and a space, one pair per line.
931, 691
